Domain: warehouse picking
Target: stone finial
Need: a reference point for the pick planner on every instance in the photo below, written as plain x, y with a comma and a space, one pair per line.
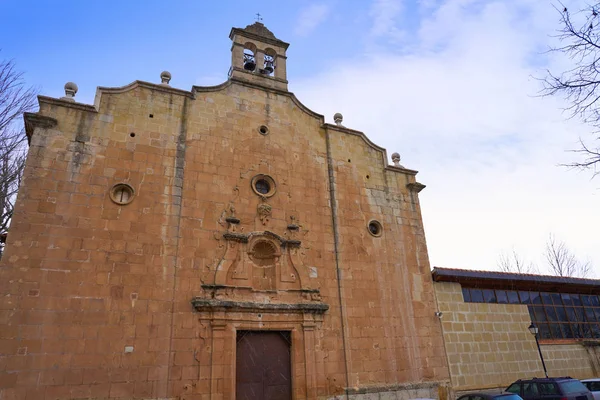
165, 78
338, 118
396, 160
70, 90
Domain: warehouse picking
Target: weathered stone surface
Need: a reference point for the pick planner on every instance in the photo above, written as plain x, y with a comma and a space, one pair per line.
220, 305
83, 278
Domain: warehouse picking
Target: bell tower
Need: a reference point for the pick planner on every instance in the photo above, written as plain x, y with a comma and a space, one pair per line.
257, 56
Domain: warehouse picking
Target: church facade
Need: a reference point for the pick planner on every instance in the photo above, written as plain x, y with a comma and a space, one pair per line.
218, 243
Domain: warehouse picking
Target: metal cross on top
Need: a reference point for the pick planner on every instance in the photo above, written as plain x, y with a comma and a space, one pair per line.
258, 17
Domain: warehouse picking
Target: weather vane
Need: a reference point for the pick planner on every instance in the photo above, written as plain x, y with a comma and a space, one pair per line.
258, 17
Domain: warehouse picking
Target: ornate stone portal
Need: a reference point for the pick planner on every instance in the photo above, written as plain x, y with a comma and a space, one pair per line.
261, 284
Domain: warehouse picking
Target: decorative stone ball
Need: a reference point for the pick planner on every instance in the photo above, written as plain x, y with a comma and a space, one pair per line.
71, 87
338, 118
165, 76
395, 157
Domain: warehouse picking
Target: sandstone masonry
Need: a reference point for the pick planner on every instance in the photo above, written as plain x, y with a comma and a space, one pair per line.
237, 210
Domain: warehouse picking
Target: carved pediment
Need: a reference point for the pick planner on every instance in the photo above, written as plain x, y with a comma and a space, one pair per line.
262, 261
263, 269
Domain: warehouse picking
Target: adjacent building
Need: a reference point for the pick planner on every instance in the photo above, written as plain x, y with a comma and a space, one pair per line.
217, 243
485, 318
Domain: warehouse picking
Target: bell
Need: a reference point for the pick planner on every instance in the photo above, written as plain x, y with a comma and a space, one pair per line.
269, 67
249, 65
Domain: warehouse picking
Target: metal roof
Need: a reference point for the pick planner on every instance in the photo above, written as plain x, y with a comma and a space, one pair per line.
510, 280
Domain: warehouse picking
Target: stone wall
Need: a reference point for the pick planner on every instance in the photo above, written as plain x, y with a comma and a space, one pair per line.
97, 296
393, 335
489, 346
574, 359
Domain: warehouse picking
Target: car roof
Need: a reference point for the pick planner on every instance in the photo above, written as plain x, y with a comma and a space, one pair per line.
591, 380
549, 379
488, 395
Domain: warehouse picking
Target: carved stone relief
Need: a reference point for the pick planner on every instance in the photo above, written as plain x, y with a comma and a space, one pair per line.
261, 261
264, 213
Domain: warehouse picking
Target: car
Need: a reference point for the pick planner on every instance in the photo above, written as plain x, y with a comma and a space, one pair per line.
561, 388
490, 396
594, 386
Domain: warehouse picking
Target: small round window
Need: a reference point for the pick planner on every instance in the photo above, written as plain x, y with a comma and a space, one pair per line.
263, 129
121, 193
263, 185
375, 228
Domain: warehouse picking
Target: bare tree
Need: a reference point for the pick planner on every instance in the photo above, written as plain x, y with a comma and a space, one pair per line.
579, 38
15, 99
562, 262
513, 262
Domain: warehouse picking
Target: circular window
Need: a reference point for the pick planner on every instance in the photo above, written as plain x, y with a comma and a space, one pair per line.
375, 228
121, 193
263, 129
263, 185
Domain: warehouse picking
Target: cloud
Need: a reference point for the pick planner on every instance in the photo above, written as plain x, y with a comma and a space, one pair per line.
310, 18
460, 107
384, 14
427, 4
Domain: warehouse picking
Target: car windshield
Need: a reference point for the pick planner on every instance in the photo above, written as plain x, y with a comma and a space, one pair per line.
507, 397
594, 386
569, 387
514, 388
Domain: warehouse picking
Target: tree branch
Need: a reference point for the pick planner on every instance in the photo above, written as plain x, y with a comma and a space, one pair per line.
579, 38
15, 99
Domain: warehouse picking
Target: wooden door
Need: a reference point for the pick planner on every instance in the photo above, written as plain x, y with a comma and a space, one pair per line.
263, 366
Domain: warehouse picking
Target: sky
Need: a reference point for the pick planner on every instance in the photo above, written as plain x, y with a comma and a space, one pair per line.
449, 84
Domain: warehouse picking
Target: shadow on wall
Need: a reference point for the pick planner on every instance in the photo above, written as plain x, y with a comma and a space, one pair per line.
593, 349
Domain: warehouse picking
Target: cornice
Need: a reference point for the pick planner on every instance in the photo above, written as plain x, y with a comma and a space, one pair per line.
214, 88
349, 131
365, 138
67, 103
250, 35
415, 187
35, 120
148, 85
201, 304
406, 171
253, 85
